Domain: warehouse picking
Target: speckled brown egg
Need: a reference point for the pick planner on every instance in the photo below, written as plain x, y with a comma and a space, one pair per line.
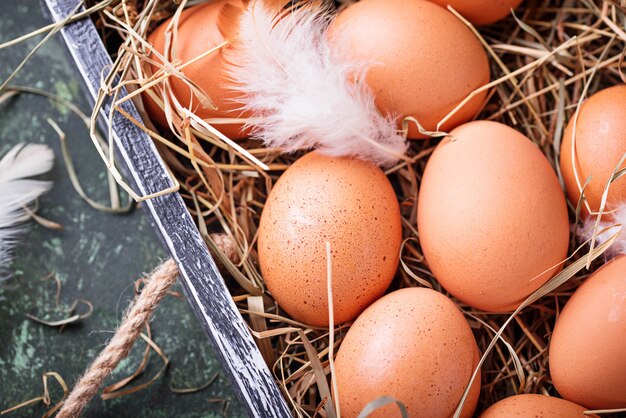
198, 32
600, 144
588, 345
534, 406
344, 201
413, 345
481, 12
423, 60
492, 217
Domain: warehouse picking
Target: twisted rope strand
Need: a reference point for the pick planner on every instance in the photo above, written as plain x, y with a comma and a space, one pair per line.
138, 314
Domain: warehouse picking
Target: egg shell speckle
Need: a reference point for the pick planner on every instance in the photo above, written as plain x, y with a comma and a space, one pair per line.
600, 144
481, 12
535, 406
491, 216
588, 345
198, 32
349, 203
413, 345
415, 50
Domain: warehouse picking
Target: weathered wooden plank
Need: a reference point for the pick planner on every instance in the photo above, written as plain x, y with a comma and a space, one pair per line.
202, 281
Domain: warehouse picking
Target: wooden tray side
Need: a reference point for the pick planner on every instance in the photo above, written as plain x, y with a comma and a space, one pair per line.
203, 284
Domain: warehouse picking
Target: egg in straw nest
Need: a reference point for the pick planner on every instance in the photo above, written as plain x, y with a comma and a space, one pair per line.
395, 179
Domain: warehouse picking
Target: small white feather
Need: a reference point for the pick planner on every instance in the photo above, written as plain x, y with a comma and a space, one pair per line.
303, 94
17, 191
24, 161
606, 229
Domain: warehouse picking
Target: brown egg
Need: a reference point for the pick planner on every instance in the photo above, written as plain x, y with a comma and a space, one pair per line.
424, 61
198, 32
481, 12
346, 202
600, 144
534, 406
413, 345
588, 345
492, 216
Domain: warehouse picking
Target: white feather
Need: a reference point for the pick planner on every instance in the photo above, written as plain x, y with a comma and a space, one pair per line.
17, 191
606, 229
305, 95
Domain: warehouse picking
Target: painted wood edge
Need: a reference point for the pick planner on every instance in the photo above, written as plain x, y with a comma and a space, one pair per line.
205, 288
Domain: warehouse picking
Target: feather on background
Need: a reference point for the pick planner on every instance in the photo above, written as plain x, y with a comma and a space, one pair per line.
18, 191
305, 95
605, 230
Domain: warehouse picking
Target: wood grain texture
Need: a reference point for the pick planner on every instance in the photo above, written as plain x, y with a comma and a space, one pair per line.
205, 287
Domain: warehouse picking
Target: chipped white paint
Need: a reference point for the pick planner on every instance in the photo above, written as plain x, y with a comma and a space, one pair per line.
203, 284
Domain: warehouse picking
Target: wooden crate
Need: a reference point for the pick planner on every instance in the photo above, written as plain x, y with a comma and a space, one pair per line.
146, 172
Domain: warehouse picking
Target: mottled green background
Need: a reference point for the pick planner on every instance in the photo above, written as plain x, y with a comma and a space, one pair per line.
97, 257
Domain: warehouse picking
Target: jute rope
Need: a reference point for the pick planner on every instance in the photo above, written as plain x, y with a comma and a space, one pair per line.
138, 314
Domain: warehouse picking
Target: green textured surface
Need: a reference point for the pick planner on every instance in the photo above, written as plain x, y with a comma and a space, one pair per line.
97, 257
